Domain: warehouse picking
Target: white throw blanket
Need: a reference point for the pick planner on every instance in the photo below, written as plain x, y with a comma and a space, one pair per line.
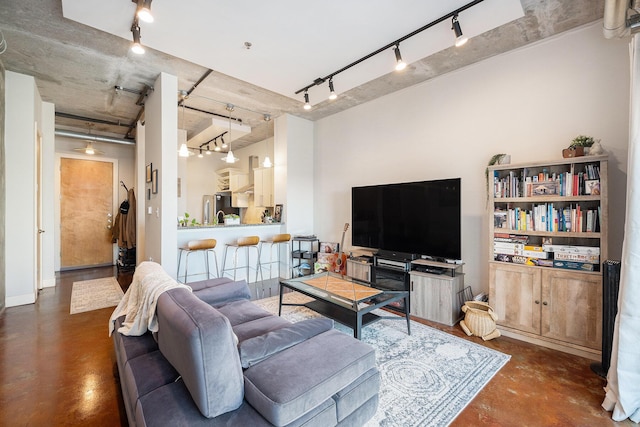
139, 302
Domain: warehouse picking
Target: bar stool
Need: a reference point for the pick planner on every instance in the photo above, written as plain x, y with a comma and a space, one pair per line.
205, 246
247, 243
278, 240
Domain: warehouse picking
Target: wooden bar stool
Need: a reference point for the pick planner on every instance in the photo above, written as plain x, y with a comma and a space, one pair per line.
275, 241
205, 246
246, 243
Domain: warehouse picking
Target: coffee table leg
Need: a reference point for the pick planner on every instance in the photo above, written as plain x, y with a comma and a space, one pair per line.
280, 305
406, 314
358, 329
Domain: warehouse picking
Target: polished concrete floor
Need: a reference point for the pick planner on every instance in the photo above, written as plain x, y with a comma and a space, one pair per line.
58, 370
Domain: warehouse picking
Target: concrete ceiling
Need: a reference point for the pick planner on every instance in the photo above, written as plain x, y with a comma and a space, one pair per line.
78, 67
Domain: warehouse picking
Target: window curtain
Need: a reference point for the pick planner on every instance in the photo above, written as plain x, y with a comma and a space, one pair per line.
623, 379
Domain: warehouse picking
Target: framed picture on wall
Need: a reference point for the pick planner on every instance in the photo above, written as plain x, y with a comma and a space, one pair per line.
154, 181
148, 170
277, 214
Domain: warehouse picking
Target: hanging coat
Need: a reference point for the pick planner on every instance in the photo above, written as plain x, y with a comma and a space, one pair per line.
124, 226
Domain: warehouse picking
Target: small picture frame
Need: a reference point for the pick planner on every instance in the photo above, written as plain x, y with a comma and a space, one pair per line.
148, 171
154, 181
277, 214
592, 187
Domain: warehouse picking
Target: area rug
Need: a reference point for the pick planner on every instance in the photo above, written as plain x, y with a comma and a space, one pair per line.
428, 378
95, 294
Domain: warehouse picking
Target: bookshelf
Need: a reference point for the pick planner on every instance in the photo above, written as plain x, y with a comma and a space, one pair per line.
547, 241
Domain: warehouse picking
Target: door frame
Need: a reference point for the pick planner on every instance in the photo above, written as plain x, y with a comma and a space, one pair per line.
114, 205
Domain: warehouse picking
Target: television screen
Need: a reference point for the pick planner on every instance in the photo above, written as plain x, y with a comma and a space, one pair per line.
420, 218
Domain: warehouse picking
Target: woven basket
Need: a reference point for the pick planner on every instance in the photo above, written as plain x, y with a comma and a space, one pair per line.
479, 318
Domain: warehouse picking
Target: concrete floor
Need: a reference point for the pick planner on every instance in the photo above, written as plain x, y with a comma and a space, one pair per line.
58, 369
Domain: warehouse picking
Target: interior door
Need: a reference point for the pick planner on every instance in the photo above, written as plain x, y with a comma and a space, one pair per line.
86, 206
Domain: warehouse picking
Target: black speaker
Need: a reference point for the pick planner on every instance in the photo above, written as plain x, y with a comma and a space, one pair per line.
610, 290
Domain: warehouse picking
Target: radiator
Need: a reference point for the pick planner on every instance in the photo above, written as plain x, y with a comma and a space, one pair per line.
610, 288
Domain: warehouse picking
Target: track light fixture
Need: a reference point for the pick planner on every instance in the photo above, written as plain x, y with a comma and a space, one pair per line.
183, 151
224, 144
136, 47
307, 105
144, 10
400, 64
460, 38
200, 154
332, 92
208, 152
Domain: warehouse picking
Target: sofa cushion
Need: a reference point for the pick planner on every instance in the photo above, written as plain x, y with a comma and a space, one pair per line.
198, 341
146, 373
260, 326
353, 396
288, 384
203, 284
242, 311
255, 350
224, 292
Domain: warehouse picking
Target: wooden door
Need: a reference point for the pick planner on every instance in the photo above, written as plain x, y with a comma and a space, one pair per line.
515, 296
86, 206
572, 307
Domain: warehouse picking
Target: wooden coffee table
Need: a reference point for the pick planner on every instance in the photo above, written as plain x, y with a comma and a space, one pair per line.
343, 300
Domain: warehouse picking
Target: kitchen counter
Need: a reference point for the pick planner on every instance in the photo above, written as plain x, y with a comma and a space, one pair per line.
224, 234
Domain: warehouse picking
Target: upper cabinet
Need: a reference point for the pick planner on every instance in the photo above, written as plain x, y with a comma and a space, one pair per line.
263, 187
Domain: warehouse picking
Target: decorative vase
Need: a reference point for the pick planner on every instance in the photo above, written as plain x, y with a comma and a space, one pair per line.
479, 320
573, 152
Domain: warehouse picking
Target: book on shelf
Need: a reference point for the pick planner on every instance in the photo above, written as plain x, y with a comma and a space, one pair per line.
548, 217
577, 257
528, 183
571, 249
571, 265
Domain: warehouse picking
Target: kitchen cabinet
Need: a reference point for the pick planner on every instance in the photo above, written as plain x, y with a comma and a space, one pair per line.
263, 187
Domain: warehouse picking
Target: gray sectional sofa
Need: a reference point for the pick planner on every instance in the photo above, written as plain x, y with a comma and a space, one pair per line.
218, 359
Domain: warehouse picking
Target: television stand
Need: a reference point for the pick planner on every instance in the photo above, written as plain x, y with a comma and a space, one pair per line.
392, 273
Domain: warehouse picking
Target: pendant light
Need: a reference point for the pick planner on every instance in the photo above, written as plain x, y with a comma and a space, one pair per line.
183, 151
267, 161
229, 158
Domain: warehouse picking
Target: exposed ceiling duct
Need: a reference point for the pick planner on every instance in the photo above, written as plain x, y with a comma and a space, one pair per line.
93, 138
621, 18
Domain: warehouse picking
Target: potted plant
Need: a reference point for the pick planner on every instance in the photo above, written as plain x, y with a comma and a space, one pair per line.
578, 147
231, 219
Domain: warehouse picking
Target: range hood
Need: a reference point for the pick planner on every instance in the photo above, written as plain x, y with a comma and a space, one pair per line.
248, 189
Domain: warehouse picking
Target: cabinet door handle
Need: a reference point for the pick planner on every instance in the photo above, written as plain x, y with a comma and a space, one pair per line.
412, 286
537, 302
544, 303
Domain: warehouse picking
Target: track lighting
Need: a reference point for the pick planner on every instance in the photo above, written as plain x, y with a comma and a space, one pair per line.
184, 151
400, 64
200, 154
215, 142
224, 144
307, 106
136, 47
144, 10
460, 38
208, 152
332, 92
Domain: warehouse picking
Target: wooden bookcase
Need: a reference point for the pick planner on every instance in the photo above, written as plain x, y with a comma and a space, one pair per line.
535, 299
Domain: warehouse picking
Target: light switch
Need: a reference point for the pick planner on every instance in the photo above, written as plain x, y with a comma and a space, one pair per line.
149, 210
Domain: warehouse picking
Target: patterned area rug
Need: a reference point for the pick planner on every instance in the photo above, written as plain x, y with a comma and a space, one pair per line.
428, 378
95, 294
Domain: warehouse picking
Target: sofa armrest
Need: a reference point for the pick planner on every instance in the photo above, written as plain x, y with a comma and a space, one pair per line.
224, 293
257, 349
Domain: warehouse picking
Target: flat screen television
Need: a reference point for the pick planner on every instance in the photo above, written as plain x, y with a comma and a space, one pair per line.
419, 218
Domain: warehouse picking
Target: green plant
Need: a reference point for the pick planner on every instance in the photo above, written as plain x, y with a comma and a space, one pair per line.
582, 141
492, 161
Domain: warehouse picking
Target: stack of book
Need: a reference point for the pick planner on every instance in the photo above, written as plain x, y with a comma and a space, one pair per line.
583, 258
515, 248
547, 217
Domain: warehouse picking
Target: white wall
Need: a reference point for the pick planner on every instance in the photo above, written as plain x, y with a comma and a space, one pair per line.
529, 103
161, 142
47, 150
22, 103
